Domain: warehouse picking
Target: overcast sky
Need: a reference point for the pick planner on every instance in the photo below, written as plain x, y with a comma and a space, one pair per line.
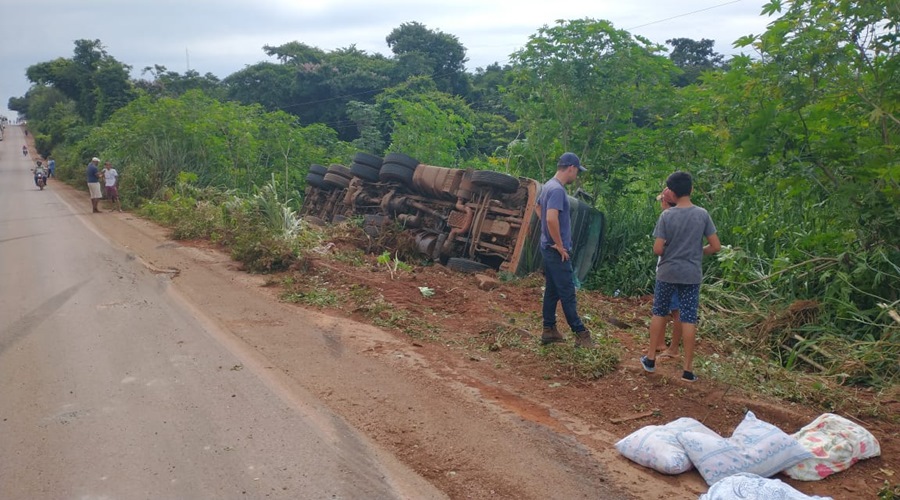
223, 36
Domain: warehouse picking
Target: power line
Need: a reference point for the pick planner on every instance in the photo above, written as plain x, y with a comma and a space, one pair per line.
682, 15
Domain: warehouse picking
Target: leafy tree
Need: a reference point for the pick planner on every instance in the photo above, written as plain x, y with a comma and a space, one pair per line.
353, 75
295, 53
267, 84
18, 104
52, 118
312, 84
220, 144
164, 82
431, 134
424, 52
693, 58
578, 86
829, 94
486, 94
94, 80
367, 119
427, 124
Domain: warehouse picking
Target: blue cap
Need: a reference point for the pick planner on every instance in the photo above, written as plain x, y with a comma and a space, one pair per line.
569, 159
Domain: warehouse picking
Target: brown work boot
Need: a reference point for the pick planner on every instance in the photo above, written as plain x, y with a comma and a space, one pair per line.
551, 335
583, 339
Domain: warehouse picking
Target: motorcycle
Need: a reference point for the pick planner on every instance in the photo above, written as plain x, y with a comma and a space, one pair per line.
41, 180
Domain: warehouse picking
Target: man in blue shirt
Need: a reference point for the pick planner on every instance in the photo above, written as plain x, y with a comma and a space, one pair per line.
93, 182
556, 245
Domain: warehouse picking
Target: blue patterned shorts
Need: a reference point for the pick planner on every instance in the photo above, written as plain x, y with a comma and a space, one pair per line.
688, 300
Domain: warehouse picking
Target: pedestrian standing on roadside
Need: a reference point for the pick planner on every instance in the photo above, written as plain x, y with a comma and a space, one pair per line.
51, 167
556, 247
679, 236
111, 178
93, 182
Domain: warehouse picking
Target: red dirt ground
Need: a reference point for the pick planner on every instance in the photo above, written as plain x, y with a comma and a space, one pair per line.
492, 335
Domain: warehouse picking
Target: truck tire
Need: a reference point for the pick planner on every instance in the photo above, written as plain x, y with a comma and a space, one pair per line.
314, 180
338, 169
467, 266
499, 181
318, 169
367, 159
335, 180
401, 159
396, 173
364, 172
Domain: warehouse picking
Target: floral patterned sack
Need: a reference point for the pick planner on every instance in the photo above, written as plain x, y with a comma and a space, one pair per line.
836, 444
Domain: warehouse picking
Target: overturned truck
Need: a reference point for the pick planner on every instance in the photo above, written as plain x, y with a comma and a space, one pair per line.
468, 220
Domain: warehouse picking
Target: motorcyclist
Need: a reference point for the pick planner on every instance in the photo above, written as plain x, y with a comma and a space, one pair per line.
39, 170
24, 150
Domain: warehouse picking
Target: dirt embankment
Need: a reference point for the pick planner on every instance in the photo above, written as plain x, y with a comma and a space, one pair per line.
460, 403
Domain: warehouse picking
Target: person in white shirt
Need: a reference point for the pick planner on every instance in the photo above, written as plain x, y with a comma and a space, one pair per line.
111, 182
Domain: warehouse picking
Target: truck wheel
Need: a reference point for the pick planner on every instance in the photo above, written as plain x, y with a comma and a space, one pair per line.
396, 173
499, 181
401, 159
336, 180
364, 172
314, 180
318, 169
338, 169
467, 266
367, 159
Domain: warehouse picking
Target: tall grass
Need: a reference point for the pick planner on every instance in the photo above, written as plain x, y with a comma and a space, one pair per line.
789, 283
627, 265
261, 230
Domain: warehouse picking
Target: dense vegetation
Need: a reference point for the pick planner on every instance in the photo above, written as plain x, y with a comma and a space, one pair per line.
793, 147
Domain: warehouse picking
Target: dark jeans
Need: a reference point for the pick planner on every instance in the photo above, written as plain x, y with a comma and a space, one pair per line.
559, 287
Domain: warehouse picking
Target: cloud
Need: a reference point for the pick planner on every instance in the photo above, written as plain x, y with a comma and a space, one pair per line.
224, 36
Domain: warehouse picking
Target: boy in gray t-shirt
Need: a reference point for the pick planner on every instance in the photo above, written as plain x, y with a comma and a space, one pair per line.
679, 236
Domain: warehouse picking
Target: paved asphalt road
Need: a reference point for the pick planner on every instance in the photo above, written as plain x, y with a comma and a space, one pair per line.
111, 388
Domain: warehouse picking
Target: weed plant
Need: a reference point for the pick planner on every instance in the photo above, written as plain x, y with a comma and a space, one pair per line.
781, 250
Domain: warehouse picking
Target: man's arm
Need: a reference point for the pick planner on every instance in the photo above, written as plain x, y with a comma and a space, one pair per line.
555, 235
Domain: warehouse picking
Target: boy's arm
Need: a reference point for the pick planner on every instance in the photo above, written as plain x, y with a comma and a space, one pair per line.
714, 245
659, 245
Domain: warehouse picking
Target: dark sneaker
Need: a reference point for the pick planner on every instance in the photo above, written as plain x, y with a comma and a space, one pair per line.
551, 336
689, 377
583, 339
649, 365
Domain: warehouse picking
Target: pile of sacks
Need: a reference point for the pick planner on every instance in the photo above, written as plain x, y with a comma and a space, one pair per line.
737, 467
